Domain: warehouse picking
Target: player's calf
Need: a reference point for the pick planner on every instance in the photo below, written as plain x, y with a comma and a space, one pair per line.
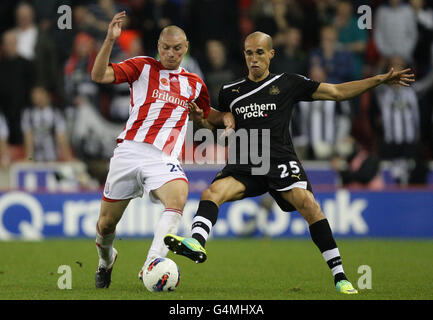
204, 220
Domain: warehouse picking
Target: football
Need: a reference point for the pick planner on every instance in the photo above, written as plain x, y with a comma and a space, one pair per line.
161, 274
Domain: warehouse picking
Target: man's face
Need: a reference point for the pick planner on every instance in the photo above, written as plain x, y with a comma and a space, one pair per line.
40, 97
9, 44
171, 50
258, 56
24, 16
216, 53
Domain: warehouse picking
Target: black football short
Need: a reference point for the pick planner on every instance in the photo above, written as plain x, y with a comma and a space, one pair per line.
282, 176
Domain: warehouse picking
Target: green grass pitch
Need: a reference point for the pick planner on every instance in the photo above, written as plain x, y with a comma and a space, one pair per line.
236, 269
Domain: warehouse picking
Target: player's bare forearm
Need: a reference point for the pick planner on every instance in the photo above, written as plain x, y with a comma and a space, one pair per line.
349, 90
101, 62
345, 90
204, 123
197, 116
101, 72
214, 120
219, 119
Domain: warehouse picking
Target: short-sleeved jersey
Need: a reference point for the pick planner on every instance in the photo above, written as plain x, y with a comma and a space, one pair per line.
158, 112
267, 104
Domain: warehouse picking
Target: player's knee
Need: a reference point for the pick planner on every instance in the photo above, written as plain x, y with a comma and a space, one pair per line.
177, 201
213, 194
106, 225
307, 205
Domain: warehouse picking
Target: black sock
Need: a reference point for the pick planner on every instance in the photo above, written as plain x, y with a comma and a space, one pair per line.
204, 220
321, 234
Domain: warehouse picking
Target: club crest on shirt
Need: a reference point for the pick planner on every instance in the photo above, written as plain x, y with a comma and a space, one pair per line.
164, 81
274, 90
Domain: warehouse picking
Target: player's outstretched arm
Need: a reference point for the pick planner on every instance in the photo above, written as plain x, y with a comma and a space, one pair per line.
101, 71
349, 90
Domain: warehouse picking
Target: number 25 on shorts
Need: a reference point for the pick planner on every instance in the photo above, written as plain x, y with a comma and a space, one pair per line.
294, 169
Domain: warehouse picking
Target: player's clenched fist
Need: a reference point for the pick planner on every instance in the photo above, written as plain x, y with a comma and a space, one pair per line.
115, 26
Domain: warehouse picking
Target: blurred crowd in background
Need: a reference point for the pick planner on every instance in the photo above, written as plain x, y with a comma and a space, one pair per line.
51, 110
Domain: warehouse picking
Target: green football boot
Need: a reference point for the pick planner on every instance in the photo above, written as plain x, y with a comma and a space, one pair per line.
188, 247
346, 287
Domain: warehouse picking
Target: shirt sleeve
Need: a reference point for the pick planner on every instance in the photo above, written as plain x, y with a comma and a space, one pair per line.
222, 102
128, 70
203, 100
303, 86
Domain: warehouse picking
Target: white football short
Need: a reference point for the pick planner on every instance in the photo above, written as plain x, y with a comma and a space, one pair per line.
137, 168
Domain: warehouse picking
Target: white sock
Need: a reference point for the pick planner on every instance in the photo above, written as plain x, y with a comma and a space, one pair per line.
167, 223
333, 259
104, 246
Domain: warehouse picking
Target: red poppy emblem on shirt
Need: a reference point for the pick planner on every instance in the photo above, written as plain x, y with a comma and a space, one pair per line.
164, 81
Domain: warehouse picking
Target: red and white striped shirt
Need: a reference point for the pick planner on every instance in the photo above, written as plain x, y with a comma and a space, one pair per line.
158, 111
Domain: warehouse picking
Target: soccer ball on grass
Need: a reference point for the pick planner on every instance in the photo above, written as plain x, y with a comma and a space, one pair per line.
161, 274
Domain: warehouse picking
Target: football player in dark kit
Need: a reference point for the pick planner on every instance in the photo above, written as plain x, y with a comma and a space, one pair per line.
263, 100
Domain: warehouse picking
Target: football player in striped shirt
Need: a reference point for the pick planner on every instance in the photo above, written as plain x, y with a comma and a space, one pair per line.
145, 159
